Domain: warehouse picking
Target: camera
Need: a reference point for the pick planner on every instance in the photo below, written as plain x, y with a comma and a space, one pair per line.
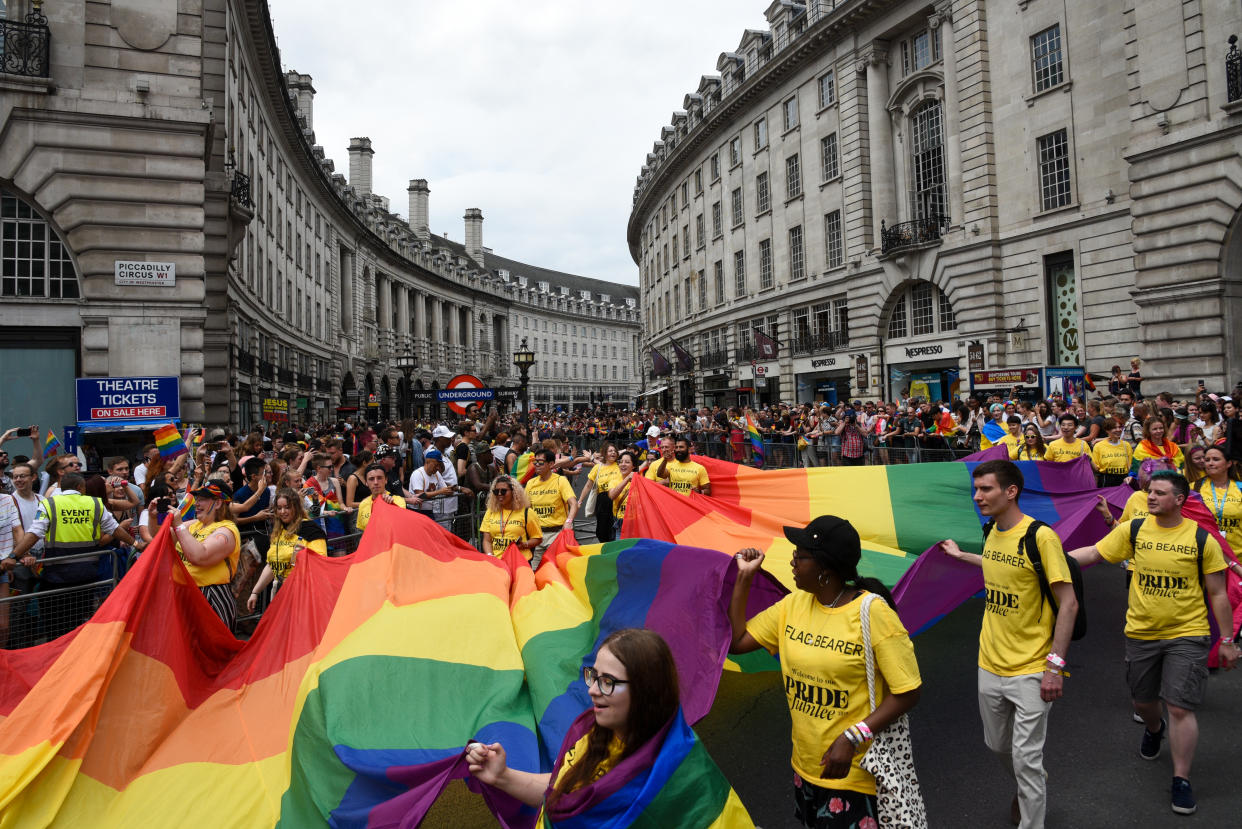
162, 506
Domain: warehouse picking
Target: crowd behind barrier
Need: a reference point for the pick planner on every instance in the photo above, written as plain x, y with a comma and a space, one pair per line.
326, 464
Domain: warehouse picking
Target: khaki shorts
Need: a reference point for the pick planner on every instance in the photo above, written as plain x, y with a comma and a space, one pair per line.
1174, 670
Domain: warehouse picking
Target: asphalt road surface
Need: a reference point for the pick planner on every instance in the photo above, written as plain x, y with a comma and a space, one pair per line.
1096, 779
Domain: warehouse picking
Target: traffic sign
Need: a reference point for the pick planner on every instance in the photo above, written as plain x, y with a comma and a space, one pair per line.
463, 390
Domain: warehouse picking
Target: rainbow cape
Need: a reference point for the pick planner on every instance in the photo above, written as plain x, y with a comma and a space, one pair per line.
51, 445
902, 512
349, 704
169, 441
756, 439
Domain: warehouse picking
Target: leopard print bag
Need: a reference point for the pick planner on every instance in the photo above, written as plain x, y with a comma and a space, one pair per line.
890, 758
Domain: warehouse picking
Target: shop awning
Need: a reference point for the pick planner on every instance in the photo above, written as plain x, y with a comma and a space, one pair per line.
653, 391
88, 427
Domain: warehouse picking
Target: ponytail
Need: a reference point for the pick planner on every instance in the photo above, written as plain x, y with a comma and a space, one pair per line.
877, 587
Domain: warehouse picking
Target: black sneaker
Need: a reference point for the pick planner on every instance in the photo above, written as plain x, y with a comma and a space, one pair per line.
1149, 749
1183, 797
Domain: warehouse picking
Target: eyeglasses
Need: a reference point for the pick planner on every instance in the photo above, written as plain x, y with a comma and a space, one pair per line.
538, 462
74, 463
606, 684
501, 491
801, 558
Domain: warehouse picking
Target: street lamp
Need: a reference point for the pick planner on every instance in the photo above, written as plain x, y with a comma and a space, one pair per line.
406, 363
524, 358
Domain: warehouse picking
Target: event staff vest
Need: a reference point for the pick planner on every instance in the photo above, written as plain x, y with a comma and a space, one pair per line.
74, 525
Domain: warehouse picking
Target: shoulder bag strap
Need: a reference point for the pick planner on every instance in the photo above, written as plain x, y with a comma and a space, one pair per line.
1135, 525
21, 519
1201, 537
864, 618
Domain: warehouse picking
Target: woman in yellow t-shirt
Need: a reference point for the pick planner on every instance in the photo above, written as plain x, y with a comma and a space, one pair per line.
1112, 455
1222, 494
1032, 448
627, 465
291, 531
827, 607
210, 546
509, 520
604, 473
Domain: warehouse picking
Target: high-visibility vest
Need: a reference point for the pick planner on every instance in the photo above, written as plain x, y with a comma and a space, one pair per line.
74, 525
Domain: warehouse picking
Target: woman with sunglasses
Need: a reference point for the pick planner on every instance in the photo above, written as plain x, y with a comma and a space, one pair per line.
509, 520
830, 736
1032, 447
635, 714
291, 531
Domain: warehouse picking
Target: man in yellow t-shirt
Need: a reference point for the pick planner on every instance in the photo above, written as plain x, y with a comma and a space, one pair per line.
1013, 440
552, 499
681, 474
1167, 632
653, 463
377, 482
1067, 447
1023, 641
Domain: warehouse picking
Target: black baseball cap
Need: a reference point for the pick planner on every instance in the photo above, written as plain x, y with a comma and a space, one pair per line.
828, 534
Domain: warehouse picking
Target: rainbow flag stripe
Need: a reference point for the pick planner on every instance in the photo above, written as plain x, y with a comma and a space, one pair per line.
901, 512
169, 442
756, 440
354, 700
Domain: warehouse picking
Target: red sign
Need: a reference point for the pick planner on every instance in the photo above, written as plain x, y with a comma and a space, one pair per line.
116, 412
463, 382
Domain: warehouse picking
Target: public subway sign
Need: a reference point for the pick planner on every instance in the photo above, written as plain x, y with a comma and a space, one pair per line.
154, 274
104, 399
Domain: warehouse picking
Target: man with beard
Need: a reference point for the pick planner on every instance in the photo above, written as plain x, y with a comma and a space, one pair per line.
681, 474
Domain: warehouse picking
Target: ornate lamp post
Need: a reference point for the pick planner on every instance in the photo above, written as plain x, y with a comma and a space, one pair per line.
524, 358
406, 363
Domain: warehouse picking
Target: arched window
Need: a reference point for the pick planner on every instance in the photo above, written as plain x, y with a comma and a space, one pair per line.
35, 261
920, 309
927, 161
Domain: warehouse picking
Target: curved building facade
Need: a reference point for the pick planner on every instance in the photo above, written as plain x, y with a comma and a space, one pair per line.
167, 212
899, 193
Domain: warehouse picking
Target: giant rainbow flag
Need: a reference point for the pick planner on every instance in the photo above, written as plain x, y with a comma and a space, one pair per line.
354, 700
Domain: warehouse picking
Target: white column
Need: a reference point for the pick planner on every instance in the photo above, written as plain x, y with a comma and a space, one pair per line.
942, 19
879, 137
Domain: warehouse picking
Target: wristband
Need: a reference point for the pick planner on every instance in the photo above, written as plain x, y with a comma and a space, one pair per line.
1228, 641
865, 730
1056, 661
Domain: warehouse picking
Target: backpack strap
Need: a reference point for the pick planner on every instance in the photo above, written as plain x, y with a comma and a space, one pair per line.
987, 529
1030, 546
1201, 537
1136, 524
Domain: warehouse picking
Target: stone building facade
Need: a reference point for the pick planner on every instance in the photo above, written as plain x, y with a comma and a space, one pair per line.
901, 192
167, 131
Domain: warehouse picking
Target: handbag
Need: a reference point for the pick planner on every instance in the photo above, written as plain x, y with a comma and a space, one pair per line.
588, 509
890, 758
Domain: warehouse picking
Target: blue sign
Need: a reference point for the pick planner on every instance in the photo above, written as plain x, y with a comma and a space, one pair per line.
71, 439
1069, 382
114, 399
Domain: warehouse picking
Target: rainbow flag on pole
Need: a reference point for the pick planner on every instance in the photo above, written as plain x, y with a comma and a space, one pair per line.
169, 442
756, 439
51, 445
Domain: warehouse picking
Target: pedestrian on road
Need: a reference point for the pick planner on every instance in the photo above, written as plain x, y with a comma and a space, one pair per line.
817, 633
1176, 566
1024, 640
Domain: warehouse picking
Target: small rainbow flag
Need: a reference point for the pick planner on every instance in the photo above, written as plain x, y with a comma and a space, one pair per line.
756, 439
169, 441
193, 437
186, 507
51, 445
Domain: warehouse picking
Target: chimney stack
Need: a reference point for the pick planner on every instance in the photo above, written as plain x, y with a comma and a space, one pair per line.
360, 153
303, 94
474, 234
419, 195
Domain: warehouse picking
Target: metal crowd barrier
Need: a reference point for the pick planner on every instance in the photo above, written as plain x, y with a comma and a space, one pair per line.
45, 611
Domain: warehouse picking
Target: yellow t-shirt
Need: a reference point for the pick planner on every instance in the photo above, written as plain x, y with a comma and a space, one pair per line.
1112, 458
615, 747
222, 571
285, 544
549, 499
1226, 505
510, 527
1136, 507
1013, 443
1026, 453
654, 466
605, 477
1166, 600
682, 476
618, 506
364, 510
824, 668
1017, 622
1059, 450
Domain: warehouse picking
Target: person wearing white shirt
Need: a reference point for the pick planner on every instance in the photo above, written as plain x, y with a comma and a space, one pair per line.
428, 483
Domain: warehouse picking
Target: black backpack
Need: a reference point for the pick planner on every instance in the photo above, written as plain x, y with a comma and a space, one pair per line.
1030, 548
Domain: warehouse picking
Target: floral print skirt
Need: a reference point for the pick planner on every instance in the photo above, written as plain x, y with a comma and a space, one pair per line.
820, 808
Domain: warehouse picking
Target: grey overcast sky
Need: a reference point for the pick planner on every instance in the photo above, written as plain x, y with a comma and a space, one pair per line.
540, 112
